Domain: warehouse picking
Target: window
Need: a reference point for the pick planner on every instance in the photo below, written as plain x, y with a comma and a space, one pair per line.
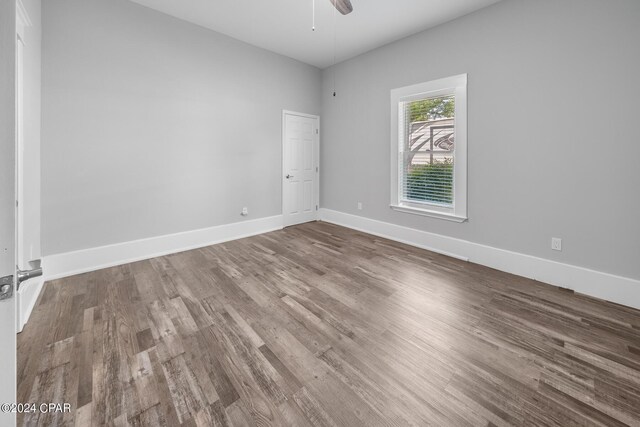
429, 148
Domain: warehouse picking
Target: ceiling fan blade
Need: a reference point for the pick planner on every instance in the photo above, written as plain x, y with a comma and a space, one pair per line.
343, 6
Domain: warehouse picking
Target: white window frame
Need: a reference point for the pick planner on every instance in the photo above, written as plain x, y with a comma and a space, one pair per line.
456, 86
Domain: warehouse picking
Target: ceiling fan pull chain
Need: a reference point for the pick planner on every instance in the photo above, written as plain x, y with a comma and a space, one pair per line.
313, 7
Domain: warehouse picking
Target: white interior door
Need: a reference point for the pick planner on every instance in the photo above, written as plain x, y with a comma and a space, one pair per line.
7, 204
300, 189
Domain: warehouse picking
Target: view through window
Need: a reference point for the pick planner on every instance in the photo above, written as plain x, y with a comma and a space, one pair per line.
429, 140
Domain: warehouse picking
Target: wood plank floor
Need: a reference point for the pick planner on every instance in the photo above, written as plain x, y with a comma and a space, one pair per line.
319, 325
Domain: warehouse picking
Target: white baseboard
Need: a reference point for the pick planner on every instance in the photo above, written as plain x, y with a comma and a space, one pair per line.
82, 261
621, 290
26, 297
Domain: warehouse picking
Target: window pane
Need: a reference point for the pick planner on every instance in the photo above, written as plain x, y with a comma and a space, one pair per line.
428, 156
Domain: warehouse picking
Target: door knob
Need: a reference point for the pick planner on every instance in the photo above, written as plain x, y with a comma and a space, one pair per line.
289, 176
23, 275
28, 274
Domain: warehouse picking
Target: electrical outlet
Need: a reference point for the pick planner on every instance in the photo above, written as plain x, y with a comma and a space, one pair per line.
556, 244
359, 206
244, 212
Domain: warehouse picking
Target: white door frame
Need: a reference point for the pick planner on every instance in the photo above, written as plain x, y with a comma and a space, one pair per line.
29, 289
8, 230
316, 145
22, 21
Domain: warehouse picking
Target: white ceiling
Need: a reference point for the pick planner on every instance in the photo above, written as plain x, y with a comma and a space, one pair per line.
284, 26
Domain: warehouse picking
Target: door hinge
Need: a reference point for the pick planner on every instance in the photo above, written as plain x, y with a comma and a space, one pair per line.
316, 169
316, 207
317, 131
6, 287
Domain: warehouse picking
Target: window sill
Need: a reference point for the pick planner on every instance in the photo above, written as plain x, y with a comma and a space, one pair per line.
429, 213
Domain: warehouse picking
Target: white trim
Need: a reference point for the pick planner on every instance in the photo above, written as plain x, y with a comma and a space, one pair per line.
28, 293
295, 113
21, 262
610, 287
316, 144
27, 296
22, 19
82, 261
428, 212
457, 86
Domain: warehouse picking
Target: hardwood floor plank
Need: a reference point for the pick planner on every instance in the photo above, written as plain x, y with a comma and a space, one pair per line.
313, 410
49, 386
238, 415
165, 410
293, 384
186, 394
114, 368
145, 387
248, 358
206, 350
580, 409
83, 416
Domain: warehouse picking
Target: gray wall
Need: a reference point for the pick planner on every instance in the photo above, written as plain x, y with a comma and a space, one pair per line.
152, 125
553, 128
